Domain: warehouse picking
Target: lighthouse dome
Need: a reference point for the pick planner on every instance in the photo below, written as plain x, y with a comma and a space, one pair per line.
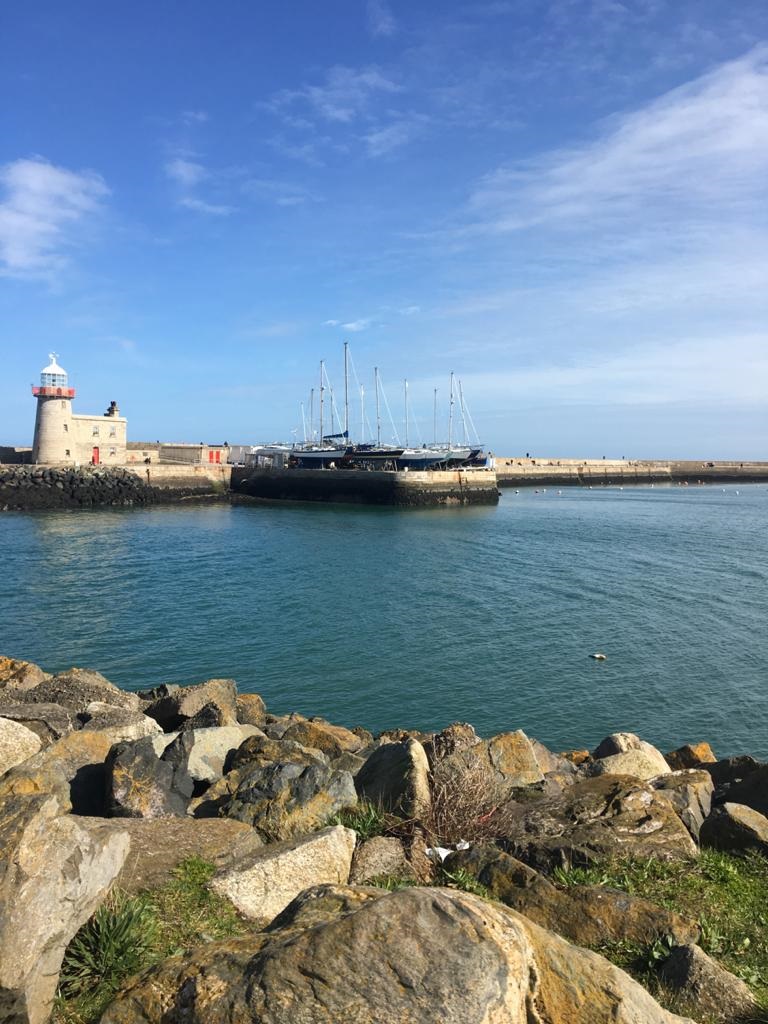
53, 376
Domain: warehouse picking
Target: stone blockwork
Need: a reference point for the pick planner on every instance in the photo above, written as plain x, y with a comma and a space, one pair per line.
47, 487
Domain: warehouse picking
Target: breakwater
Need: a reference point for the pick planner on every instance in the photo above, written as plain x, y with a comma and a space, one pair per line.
523, 472
58, 487
408, 489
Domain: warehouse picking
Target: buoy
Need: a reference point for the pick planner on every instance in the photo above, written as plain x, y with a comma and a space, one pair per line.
599, 656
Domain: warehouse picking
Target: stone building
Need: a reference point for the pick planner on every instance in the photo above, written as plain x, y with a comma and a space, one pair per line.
66, 438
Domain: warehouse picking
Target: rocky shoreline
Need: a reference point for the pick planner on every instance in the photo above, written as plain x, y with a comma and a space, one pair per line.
402, 877
33, 488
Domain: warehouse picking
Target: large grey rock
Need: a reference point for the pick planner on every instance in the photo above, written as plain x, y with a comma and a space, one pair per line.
752, 791
624, 753
264, 882
708, 988
586, 914
49, 721
77, 688
332, 740
380, 857
53, 876
159, 845
176, 705
509, 760
21, 675
205, 751
132, 724
690, 793
363, 956
396, 777
735, 827
141, 785
285, 798
251, 710
17, 743
595, 819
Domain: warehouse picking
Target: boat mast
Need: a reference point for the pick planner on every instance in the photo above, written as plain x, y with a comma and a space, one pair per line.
378, 409
303, 424
450, 414
434, 420
346, 390
311, 414
322, 389
405, 387
362, 413
463, 417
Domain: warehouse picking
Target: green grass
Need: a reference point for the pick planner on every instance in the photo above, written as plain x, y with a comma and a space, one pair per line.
727, 895
130, 933
464, 880
365, 819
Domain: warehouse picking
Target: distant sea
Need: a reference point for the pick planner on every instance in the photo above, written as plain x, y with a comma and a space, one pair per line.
419, 618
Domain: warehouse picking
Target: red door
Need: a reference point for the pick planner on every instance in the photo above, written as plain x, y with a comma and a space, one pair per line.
210, 456
95, 458
218, 457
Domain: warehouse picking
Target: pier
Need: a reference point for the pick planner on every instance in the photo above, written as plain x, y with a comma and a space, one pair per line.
353, 486
528, 472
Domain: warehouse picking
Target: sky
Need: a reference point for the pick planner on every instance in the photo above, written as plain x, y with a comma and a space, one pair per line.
563, 202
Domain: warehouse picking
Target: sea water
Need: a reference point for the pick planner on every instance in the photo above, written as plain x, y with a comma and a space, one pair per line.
418, 618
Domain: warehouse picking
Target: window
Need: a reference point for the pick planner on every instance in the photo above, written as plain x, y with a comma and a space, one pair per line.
66, 428
95, 431
66, 451
113, 451
113, 431
63, 405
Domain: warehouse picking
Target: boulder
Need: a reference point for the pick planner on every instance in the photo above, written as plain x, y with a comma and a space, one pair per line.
251, 710
380, 857
17, 743
735, 827
204, 753
586, 914
21, 675
77, 688
351, 763
624, 753
265, 881
75, 763
333, 740
283, 799
141, 785
711, 991
730, 771
396, 778
454, 738
691, 755
509, 759
53, 876
595, 819
690, 793
175, 705
549, 763
576, 757
159, 845
276, 725
363, 956
260, 749
49, 721
132, 724
752, 791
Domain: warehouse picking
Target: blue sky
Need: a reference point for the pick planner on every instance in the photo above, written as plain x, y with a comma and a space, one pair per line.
563, 201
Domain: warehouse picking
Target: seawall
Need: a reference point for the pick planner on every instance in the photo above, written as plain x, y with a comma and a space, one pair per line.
350, 486
59, 487
522, 472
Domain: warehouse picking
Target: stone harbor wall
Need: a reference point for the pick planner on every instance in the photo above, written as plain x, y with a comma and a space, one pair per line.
52, 487
402, 877
518, 471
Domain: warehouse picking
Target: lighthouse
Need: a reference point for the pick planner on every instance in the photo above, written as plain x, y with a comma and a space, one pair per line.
64, 438
53, 443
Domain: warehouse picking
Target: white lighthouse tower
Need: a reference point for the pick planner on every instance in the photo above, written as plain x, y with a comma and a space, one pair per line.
54, 442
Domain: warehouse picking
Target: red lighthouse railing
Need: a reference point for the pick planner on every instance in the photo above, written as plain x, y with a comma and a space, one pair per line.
46, 392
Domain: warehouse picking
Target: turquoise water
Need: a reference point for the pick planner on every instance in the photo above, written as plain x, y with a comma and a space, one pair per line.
418, 618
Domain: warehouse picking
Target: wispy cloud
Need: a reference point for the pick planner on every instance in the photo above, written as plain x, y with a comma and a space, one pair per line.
43, 208
701, 149
331, 323
186, 173
358, 325
344, 95
282, 193
201, 206
194, 117
381, 21
386, 138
